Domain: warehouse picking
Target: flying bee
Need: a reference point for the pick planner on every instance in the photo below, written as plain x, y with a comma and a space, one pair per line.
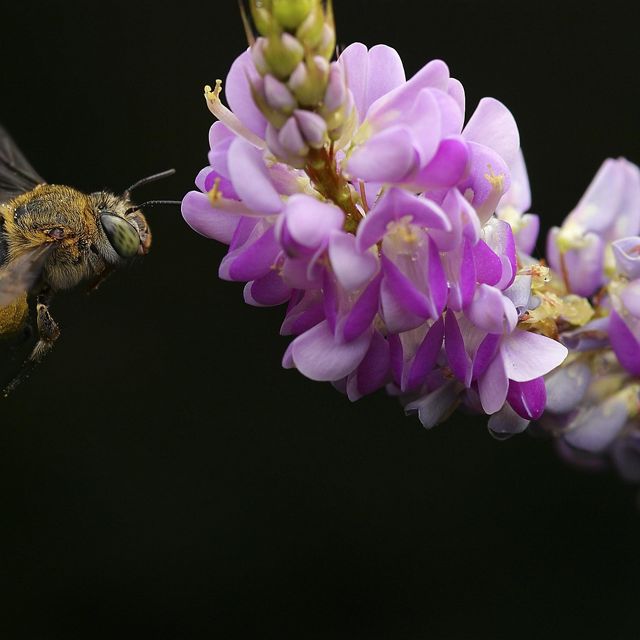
52, 237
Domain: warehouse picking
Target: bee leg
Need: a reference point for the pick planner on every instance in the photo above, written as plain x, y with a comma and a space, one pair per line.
48, 333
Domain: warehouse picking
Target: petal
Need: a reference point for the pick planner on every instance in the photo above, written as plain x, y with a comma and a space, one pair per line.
528, 399
363, 311
394, 205
373, 372
493, 386
352, 268
384, 74
492, 311
595, 429
426, 356
566, 386
318, 355
507, 422
488, 180
493, 126
455, 349
626, 252
268, 291
237, 89
253, 260
519, 194
436, 405
488, 264
304, 314
625, 344
528, 355
447, 167
204, 219
388, 156
309, 221
250, 178
630, 297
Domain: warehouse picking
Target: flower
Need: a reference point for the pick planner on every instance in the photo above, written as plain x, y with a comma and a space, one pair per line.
399, 239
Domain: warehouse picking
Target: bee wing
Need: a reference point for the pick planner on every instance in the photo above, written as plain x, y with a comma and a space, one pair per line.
19, 275
16, 174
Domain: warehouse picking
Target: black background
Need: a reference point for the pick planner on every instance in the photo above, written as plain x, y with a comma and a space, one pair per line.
161, 474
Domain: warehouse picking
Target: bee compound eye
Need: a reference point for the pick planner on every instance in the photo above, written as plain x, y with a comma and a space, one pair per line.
122, 235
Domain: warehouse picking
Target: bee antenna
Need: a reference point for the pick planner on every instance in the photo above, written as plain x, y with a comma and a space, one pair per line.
151, 203
148, 179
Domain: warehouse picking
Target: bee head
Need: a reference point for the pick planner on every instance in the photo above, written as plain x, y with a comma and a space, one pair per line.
125, 228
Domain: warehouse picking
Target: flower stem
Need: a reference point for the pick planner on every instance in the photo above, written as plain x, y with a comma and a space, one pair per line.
331, 184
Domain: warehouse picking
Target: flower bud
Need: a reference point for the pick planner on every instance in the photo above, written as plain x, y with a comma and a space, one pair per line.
312, 126
278, 96
290, 13
262, 18
283, 53
311, 30
291, 139
309, 81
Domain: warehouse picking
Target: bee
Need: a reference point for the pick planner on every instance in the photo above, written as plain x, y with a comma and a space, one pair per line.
52, 238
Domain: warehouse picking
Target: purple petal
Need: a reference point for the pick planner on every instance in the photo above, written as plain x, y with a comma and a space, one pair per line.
595, 428
436, 405
253, 260
624, 343
528, 233
388, 156
488, 180
528, 399
434, 74
250, 178
220, 139
268, 291
493, 386
499, 236
373, 372
426, 356
461, 273
204, 219
394, 205
566, 386
454, 346
528, 355
352, 267
488, 264
493, 126
318, 355
237, 89
309, 222
363, 311
630, 297
626, 252
396, 317
446, 168
506, 422
492, 311
304, 314
519, 194
485, 354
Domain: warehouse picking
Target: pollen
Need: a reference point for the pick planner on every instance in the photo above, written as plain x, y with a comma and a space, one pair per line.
215, 194
495, 180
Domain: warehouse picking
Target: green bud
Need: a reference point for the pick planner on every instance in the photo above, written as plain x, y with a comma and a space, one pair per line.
290, 13
262, 18
309, 81
275, 117
283, 54
327, 46
310, 31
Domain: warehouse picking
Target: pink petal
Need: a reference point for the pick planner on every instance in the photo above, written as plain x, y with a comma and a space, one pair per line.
237, 89
528, 355
353, 268
493, 386
204, 219
250, 178
318, 355
493, 126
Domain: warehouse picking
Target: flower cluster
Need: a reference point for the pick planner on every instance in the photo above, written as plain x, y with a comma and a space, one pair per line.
398, 237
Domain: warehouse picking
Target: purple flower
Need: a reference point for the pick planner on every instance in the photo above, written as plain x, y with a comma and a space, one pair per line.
608, 211
363, 202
